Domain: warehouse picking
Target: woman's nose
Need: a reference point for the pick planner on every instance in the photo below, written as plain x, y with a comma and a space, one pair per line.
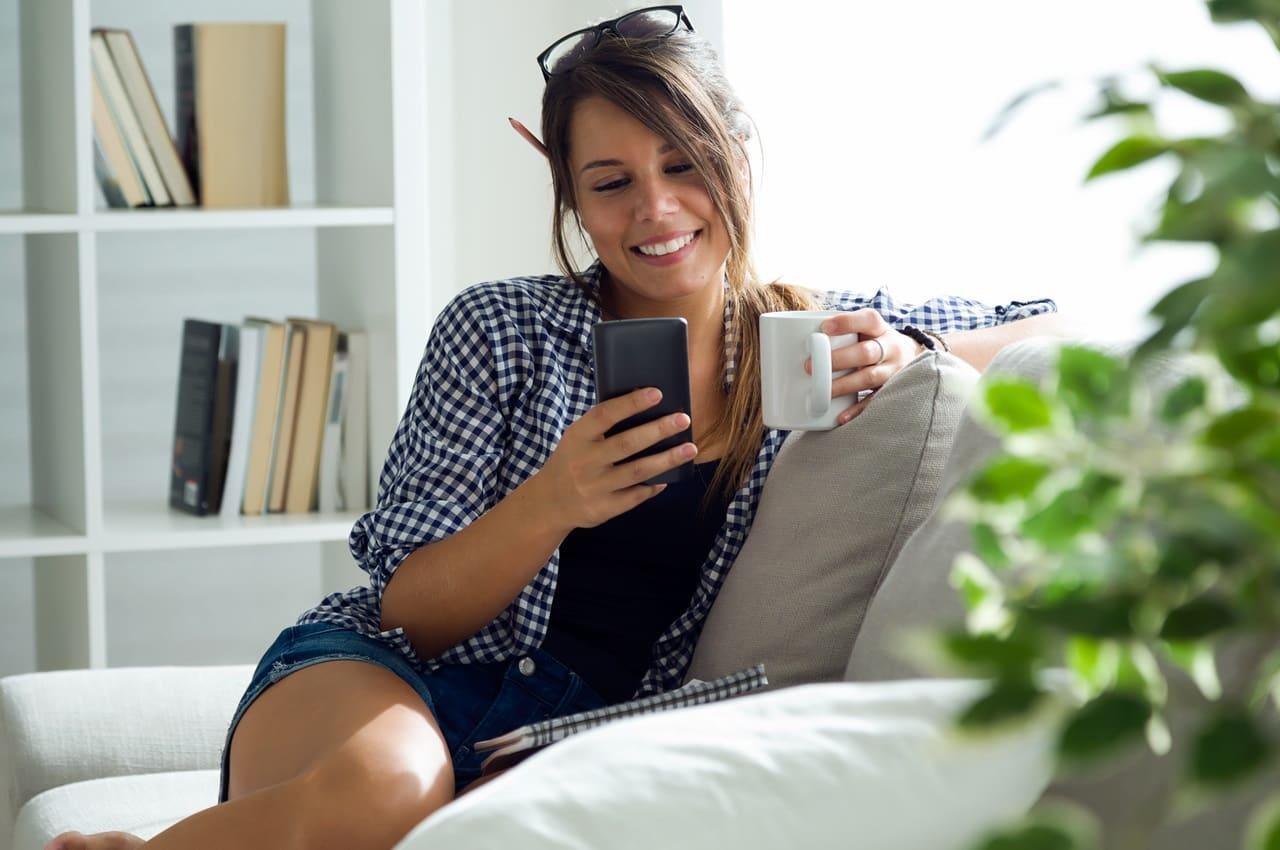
656, 199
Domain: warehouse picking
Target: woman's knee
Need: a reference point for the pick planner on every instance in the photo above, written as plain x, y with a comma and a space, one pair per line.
380, 784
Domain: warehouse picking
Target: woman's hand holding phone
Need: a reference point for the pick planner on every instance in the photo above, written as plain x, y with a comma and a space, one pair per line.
582, 486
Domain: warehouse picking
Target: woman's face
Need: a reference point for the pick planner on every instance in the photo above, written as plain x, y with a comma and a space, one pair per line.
652, 190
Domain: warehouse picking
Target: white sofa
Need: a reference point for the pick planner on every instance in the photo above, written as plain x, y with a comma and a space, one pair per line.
137, 749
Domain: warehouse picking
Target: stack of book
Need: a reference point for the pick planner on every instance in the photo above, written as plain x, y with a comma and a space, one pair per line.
230, 117
272, 417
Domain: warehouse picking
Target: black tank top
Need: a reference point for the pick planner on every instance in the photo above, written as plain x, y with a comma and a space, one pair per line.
623, 582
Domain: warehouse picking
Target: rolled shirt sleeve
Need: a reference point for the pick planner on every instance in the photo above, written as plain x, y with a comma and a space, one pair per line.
944, 314
441, 471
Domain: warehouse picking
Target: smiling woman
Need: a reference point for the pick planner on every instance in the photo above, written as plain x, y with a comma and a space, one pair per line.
519, 568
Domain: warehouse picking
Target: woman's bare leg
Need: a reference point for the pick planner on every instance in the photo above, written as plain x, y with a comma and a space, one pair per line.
340, 754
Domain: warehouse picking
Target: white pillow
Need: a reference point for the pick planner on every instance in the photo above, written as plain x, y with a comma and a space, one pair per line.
877, 766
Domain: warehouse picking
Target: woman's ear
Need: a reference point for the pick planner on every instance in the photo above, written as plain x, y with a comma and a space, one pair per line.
529, 137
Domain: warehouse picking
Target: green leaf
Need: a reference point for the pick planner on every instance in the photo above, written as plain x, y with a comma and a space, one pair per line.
1072, 512
1187, 396
1198, 619
987, 543
1263, 829
1017, 405
1229, 748
1175, 311
1018, 102
1092, 383
1103, 724
1007, 700
1207, 85
1241, 425
1094, 661
1107, 614
1127, 153
1053, 824
1009, 657
1036, 836
1008, 477
1198, 661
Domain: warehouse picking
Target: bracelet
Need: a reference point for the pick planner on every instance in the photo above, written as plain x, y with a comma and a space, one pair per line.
942, 342
919, 336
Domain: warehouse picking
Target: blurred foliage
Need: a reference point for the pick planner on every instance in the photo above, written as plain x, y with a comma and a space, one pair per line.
1126, 531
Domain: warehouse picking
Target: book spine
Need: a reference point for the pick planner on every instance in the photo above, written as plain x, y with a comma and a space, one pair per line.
185, 128
106, 178
193, 421
224, 398
286, 422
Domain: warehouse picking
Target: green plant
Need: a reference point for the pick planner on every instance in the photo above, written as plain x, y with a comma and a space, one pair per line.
1130, 533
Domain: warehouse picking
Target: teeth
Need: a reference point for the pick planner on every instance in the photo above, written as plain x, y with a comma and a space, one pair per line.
663, 248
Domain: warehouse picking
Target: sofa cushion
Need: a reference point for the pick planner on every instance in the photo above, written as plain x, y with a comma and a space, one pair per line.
876, 766
67, 726
145, 805
836, 509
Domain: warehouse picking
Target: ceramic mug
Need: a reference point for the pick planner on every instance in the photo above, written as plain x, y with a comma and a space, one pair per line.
793, 400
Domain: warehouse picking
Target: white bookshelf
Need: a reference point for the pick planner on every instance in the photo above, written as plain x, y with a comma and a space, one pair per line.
369, 72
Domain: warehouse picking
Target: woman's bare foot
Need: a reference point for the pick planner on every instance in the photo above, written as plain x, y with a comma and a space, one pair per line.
98, 841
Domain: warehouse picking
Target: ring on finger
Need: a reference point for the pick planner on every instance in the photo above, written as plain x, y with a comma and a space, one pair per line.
879, 345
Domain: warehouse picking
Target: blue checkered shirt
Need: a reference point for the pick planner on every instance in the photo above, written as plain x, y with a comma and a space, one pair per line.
507, 368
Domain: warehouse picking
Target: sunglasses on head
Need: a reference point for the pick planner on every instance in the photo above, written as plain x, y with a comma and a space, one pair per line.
650, 22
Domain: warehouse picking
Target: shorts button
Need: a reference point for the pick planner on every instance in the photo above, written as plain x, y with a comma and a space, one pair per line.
527, 666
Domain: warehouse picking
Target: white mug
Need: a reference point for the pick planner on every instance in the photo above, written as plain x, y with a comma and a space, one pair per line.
793, 400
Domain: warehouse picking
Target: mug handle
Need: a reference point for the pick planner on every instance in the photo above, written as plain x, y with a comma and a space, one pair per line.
820, 383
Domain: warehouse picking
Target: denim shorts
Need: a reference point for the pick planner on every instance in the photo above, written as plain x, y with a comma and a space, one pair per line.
471, 702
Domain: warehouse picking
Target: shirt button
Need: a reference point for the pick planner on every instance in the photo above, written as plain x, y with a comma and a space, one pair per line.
527, 666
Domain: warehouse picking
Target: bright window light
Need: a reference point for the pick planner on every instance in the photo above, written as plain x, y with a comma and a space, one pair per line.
875, 175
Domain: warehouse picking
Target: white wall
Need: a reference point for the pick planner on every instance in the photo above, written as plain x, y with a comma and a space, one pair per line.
873, 171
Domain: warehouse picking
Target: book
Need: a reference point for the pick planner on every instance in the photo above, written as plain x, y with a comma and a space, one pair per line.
266, 408
121, 184
105, 176
223, 408
146, 108
247, 376
308, 431
230, 112
353, 477
286, 418
330, 498
105, 71
520, 743
202, 375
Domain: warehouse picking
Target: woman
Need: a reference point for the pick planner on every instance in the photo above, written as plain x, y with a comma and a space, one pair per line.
553, 580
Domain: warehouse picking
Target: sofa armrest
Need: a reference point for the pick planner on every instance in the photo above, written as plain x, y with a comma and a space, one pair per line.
66, 726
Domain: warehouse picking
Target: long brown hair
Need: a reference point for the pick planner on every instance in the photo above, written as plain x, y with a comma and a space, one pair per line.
676, 88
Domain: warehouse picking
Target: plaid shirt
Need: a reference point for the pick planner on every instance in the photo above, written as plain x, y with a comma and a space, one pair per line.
507, 368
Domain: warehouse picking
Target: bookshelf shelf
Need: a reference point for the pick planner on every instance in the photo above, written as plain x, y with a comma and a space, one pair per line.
26, 532
36, 222
200, 219
142, 526
105, 290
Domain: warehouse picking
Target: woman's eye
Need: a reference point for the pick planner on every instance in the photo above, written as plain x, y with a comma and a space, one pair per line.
609, 187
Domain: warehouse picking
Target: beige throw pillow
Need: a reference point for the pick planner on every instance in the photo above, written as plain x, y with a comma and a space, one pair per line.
837, 507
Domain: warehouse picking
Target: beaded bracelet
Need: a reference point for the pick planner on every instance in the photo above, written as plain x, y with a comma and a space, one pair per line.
919, 336
925, 338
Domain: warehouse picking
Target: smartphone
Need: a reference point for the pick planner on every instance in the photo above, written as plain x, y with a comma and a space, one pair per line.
634, 353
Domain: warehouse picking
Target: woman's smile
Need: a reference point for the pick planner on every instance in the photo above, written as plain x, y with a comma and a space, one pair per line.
672, 258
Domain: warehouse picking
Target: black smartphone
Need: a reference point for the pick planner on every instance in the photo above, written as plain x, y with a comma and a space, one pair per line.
634, 353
